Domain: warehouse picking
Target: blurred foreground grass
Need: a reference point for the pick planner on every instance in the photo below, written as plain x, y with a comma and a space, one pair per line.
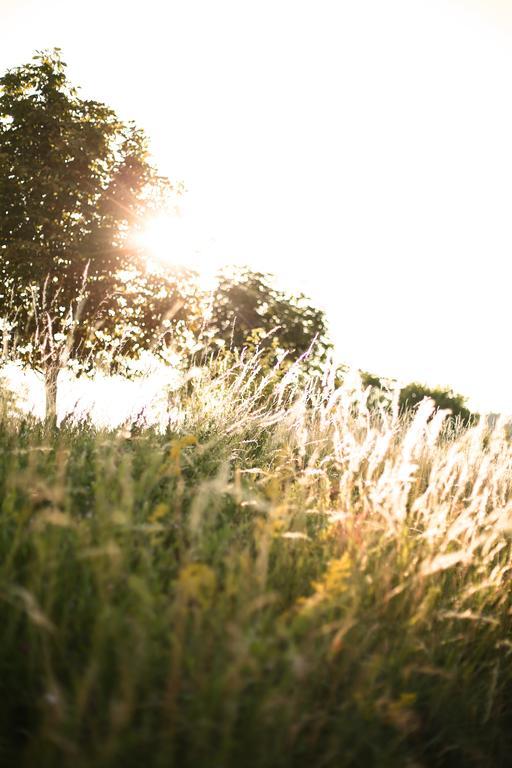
280, 578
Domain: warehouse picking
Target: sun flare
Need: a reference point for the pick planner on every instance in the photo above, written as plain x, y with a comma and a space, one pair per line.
168, 240
163, 238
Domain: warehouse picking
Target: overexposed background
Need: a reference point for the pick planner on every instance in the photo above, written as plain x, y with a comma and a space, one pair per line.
362, 151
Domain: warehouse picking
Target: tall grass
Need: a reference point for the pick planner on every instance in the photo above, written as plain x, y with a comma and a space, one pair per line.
282, 577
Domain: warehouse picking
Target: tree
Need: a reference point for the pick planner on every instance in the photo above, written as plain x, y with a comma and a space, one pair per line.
446, 399
412, 395
247, 310
74, 181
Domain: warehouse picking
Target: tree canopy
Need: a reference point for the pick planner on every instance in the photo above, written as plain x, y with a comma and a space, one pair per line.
74, 181
444, 398
412, 394
248, 310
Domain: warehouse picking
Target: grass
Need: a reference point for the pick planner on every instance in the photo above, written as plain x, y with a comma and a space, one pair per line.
279, 578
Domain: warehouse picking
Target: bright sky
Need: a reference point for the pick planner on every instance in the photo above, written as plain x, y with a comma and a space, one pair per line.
360, 149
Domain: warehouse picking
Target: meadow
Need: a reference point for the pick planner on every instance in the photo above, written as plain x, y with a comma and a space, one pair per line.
280, 576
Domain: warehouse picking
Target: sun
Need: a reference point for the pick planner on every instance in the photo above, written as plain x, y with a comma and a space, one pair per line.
170, 240
164, 239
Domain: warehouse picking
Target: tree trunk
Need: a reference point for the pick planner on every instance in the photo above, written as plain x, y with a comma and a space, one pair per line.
50, 385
